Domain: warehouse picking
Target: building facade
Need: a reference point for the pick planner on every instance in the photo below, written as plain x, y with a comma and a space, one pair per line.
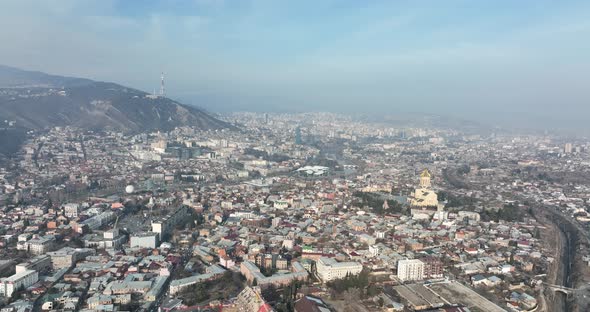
41, 245
410, 270
18, 281
433, 268
329, 269
144, 240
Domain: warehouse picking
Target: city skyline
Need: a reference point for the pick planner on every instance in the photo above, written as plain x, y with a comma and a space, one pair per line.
294, 156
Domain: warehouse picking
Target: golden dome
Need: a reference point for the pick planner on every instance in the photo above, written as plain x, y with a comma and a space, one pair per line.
425, 174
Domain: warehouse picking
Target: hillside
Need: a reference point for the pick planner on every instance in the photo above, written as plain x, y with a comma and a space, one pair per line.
36, 100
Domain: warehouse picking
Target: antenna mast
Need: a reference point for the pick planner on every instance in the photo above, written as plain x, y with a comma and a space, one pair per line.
162, 90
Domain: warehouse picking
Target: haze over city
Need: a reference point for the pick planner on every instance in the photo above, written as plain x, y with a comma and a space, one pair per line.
516, 61
294, 156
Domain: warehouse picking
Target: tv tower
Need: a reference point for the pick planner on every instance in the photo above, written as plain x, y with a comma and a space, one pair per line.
162, 90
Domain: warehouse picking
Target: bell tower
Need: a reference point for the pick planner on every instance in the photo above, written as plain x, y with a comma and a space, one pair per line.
425, 179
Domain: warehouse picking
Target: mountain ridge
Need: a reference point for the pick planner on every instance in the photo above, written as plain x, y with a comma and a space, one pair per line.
37, 100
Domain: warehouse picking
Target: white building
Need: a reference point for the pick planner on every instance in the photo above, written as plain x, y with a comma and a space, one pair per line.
281, 204
71, 210
410, 270
18, 281
374, 250
329, 269
38, 263
41, 245
113, 238
144, 240
288, 244
95, 222
67, 257
24, 237
226, 262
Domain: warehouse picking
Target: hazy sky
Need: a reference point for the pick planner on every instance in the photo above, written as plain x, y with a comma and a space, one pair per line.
463, 57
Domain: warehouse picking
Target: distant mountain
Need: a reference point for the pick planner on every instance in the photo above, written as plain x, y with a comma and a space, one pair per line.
36, 100
11, 77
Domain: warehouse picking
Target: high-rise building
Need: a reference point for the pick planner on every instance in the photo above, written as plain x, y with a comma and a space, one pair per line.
410, 270
569, 148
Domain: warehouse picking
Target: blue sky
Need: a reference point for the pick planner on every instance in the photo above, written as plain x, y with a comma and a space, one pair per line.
463, 57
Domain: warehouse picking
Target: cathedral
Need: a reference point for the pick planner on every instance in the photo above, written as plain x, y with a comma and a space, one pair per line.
424, 201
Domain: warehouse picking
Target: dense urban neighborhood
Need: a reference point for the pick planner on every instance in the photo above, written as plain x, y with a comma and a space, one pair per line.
295, 212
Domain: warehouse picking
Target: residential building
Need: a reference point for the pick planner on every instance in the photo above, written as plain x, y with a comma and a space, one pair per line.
410, 270
329, 269
18, 281
144, 240
41, 245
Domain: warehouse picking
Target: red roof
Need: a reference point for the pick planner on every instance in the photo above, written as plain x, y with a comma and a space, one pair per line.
265, 308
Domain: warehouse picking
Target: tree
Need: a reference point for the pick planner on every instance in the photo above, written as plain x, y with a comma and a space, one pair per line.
372, 290
463, 170
376, 203
510, 213
196, 293
270, 294
352, 295
442, 196
360, 281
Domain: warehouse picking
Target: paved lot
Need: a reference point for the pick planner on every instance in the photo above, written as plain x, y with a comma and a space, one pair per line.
456, 293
